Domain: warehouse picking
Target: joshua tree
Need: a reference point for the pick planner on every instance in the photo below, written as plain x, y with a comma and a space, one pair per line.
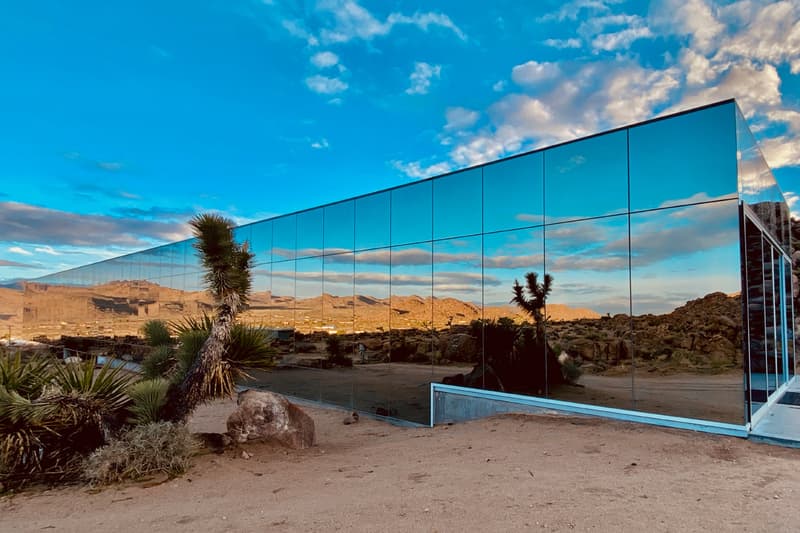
533, 303
227, 274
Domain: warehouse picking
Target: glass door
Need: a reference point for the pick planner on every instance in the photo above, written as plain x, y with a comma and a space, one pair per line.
770, 356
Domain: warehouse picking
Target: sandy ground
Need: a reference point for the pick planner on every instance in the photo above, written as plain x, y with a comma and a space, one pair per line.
508, 473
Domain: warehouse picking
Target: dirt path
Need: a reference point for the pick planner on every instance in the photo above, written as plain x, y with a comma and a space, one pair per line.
510, 473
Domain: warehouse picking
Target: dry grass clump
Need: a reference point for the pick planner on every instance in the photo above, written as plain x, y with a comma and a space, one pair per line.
145, 450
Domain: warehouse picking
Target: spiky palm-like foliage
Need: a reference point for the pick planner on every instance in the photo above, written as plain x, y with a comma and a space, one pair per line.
156, 333
227, 275
148, 398
26, 376
160, 362
249, 347
533, 303
47, 429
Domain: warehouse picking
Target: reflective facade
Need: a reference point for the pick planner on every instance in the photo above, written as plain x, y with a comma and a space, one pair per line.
667, 244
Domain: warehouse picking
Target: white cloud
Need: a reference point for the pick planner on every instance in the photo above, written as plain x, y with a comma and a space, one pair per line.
460, 118
792, 201
754, 87
321, 144
570, 10
422, 76
353, 21
46, 250
533, 72
620, 40
563, 43
416, 170
688, 17
580, 101
698, 68
499, 86
297, 29
325, 85
773, 36
18, 250
634, 92
786, 116
614, 32
324, 59
425, 20
782, 151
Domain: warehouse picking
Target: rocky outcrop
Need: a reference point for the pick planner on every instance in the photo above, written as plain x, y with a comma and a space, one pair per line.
459, 347
263, 415
704, 334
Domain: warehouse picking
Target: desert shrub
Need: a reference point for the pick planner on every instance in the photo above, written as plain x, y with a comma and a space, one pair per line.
333, 346
156, 333
336, 355
142, 451
148, 398
160, 362
49, 422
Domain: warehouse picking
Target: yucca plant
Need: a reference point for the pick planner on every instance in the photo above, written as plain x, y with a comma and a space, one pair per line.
148, 398
160, 362
249, 347
26, 376
227, 274
156, 333
45, 431
534, 302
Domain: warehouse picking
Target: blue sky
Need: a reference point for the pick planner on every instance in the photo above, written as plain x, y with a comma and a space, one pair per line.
121, 120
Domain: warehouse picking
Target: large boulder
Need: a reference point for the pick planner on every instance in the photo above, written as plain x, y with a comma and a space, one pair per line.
263, 415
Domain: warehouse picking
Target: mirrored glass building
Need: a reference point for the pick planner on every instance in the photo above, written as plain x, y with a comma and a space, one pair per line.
667, 243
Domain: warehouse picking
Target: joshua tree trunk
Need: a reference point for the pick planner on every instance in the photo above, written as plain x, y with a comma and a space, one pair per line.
227, 275
208, 377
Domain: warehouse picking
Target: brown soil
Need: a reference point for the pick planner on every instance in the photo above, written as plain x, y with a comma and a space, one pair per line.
509, 473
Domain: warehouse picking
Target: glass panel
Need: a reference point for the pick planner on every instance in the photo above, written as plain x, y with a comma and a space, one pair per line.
756, 317
243, 234
372, 221
769, 311
337, 303
283, 300
757, 185
777, 290
259, 311
284, 238
513, 193
588, 312
685, 159
457, 204
586, 178
339, 227
191, 259
789, 320
687, 312
412, 317
261, 243
372, 325
507, 335
308, 294
458, 312
309, 233
411, 213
